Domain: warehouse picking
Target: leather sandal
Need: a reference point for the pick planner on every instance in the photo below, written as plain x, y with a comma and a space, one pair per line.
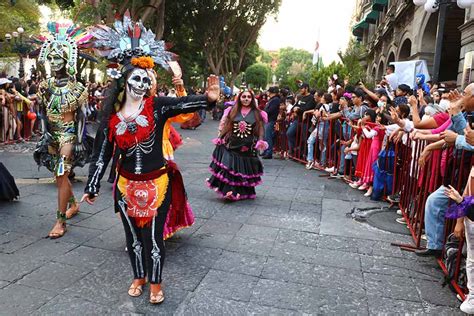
157, 298
135, 290
57, 234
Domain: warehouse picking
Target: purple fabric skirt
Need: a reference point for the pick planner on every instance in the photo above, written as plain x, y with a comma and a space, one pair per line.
234, 172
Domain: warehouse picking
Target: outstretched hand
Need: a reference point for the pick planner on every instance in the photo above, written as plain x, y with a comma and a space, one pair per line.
213, 89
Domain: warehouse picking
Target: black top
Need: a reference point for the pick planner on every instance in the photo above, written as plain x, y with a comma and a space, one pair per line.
242, 138
272, 108
305, 103
145, 156
334, 108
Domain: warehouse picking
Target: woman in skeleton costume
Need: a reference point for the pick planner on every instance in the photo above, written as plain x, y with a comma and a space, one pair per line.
146, 183
235, 168
63, 144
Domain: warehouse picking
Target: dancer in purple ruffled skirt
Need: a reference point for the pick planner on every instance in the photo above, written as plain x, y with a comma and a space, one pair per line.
235, 166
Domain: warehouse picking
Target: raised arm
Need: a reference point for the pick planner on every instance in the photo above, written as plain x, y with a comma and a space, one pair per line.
371, 94
174, 106
171, 107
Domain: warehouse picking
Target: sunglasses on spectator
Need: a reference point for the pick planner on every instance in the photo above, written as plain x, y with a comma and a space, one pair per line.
246, 97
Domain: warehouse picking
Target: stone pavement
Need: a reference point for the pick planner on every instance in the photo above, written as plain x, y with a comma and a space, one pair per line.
291, 251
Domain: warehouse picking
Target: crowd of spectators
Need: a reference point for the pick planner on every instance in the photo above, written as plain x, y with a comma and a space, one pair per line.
18, 110
350, 131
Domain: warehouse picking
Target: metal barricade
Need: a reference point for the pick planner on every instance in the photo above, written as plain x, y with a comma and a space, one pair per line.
413, 183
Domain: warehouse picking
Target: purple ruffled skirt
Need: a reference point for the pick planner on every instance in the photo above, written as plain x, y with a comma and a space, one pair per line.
232, 171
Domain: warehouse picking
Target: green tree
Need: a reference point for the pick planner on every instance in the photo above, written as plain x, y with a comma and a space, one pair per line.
349, 67
319, 76
258, 75
62, 4
292, 63
210, 36
264, 57
351, 61
24, 13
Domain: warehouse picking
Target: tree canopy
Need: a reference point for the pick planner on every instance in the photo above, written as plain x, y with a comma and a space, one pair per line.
349, 67
218, 36
210, 36
258, 75
24, 13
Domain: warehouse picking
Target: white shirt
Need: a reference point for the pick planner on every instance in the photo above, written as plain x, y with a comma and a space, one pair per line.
392, 80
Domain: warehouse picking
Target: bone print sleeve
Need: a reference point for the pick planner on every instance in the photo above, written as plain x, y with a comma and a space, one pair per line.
171, 107
103, 151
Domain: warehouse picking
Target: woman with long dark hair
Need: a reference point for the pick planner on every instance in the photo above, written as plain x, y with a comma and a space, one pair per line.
236, 169
147, 187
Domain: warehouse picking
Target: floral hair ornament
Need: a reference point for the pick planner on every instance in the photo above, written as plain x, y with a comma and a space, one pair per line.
347, 95
143, 62
114, 73
130, 44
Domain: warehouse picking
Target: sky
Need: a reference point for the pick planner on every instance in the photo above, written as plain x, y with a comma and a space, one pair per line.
298, 22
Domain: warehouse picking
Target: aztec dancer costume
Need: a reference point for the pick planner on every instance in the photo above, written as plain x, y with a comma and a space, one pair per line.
64, 143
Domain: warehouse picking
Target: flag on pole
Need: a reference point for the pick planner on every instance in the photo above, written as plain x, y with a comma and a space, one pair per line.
316, 54
316, 50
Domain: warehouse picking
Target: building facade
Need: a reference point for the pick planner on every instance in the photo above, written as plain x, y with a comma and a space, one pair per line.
397, 30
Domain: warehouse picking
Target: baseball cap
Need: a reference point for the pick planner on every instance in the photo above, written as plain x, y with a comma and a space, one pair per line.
4, 81
303, 85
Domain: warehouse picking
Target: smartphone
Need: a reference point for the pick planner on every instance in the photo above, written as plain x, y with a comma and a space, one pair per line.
470, 120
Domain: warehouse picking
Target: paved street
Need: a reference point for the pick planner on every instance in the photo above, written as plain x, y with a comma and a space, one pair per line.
293, 250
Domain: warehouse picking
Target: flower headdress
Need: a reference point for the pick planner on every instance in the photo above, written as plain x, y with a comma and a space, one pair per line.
130, 44
65, 40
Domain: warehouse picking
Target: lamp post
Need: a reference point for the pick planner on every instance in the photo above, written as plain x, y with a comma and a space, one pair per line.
432, 6
19, 48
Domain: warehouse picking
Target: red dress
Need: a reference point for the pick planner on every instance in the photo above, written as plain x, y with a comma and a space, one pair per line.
362, 156
372, 155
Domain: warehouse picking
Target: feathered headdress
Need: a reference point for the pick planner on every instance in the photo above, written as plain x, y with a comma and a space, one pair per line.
65, 40
130, 44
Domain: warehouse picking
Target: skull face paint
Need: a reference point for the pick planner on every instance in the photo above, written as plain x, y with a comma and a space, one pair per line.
138, 83
56, 62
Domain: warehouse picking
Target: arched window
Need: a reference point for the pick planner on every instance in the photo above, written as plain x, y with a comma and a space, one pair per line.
405, 51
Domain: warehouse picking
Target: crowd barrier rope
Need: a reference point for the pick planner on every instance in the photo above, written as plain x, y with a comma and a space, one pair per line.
411, 182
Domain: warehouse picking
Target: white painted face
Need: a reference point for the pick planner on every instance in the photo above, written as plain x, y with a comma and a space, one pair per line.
138, 83
56, 62
246, 98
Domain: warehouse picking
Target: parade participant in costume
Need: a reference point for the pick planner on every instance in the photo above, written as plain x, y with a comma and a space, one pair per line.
63, 144
146, 184
235, 167
177, 218
171, 138
8, 189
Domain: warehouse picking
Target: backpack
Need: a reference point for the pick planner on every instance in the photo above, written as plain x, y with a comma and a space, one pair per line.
450, 257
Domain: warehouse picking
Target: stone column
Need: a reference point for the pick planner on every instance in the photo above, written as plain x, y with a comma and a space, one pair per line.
467, 47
